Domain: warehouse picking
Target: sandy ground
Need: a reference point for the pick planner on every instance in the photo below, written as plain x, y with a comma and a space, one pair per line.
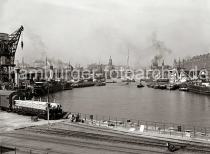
11, 121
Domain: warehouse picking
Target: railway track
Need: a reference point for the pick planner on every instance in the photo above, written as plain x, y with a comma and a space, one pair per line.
141, 141
96, 136
83, 144
190, 145
100, 134
119, 138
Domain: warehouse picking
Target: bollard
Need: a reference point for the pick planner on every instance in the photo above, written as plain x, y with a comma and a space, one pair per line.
116, 123
146, 125
155, 126
164, 128
205, 132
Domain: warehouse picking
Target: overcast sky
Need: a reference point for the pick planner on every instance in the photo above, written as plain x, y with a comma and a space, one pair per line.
88, 31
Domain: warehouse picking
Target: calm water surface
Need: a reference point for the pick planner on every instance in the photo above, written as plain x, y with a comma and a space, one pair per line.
127, 101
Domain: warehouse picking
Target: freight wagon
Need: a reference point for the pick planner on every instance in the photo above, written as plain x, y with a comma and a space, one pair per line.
38, 108
9, 101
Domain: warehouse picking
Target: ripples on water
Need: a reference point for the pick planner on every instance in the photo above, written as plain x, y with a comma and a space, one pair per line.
127, 101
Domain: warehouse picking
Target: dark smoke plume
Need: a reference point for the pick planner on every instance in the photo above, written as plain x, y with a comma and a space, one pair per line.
160, 48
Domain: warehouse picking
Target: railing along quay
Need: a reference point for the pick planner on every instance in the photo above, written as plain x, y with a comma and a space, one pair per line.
141, 126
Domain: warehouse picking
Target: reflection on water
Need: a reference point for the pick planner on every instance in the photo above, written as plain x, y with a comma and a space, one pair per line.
129, 102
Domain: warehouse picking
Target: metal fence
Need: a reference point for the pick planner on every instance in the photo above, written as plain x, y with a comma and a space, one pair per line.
141, 126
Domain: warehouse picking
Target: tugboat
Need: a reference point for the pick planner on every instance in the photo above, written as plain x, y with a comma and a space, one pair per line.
201, 85
83, 83
140, 85
161, 83
183, 87
100, 83
40, 88
162, 86
67, 85
172, 86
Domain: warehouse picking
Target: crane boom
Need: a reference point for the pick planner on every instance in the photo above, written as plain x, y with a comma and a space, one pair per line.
13, 40
8, 47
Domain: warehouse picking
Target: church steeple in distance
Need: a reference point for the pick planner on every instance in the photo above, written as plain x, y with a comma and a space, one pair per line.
110, 61
163, 63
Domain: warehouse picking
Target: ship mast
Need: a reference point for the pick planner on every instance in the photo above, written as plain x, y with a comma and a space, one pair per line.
128, 59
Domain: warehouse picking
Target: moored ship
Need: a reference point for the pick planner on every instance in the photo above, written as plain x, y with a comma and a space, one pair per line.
42, 88
199, 87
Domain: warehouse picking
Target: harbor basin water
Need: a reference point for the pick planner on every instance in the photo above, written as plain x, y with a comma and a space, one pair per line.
127, 101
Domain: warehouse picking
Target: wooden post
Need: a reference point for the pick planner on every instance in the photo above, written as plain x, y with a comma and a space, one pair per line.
205, 132
164, 127
155, 126
116, 122
146, 125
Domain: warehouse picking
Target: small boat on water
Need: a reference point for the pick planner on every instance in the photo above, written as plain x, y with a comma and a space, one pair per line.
67, 86
99, 83
128, 80
111, 81
159, 84
183, 89
140, 85
172, 86
162, 86
155, 86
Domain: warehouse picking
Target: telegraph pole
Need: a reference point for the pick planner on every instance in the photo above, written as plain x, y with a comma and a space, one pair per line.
48, 108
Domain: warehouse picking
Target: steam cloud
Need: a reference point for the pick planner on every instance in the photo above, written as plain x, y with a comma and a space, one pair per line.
160, 48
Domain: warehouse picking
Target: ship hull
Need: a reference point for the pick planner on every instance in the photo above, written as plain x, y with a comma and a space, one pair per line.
199, 89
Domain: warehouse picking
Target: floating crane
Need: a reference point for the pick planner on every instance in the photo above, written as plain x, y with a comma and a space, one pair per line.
8, 47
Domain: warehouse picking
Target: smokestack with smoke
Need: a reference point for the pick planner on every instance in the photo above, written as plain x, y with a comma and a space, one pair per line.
160, 48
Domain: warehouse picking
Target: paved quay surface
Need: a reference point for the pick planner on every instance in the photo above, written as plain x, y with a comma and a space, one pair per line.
66, 138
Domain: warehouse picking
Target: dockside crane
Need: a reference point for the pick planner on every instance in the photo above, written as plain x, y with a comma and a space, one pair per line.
8, 47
